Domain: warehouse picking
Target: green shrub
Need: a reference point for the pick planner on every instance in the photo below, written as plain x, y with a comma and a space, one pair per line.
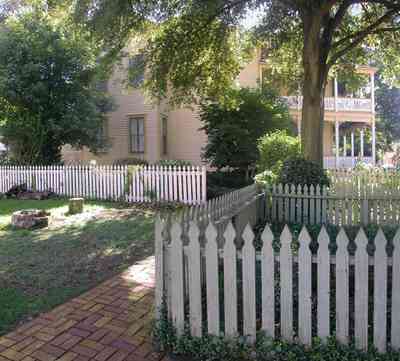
300, 171
275, 148
173, 163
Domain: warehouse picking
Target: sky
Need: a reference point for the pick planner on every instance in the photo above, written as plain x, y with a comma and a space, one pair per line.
253, 18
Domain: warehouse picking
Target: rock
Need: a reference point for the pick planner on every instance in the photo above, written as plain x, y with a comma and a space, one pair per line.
75, 206
30, 219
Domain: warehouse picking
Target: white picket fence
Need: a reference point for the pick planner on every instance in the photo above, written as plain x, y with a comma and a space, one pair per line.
339, 205
134, 184
214, 285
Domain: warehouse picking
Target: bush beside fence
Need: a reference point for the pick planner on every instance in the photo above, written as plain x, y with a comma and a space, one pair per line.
133, 184
281, 287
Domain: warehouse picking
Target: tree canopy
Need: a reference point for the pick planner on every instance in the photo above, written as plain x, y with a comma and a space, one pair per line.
48, 96
196, 48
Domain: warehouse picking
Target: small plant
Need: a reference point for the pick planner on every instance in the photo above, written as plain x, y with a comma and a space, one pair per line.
300, 171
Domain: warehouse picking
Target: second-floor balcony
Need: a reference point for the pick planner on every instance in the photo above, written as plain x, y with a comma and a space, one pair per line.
335, 104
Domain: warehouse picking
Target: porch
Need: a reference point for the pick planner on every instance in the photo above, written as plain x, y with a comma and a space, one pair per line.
348, 142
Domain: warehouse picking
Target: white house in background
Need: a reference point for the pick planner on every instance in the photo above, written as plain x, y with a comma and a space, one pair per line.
347, 117
138, 128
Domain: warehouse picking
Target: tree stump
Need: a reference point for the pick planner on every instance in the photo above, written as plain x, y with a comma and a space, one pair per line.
75, 205
30, 219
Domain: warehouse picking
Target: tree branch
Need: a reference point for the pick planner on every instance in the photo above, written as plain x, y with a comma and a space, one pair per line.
359, 36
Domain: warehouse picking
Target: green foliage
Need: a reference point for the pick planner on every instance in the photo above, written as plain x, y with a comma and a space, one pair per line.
275, 148
300, 171
173, 163
221, 182
213, 348
233, 127
388, 112
48, 97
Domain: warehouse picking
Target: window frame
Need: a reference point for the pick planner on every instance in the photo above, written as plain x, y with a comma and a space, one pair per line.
131, 118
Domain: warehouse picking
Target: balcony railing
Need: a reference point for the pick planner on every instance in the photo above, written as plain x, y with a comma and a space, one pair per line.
345, 162
342, 104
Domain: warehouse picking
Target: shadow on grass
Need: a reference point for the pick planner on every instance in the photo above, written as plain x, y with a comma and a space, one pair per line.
44, 268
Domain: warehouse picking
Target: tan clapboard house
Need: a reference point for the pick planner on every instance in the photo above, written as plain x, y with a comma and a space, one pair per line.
138, 128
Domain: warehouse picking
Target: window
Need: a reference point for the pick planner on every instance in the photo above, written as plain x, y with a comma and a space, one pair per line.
136, 71
165, 134
136, 134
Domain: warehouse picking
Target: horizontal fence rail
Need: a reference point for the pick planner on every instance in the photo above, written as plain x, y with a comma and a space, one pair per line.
135, 184
290, 286
339, 204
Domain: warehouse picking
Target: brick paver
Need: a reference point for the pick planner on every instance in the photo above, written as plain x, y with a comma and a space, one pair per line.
111, 322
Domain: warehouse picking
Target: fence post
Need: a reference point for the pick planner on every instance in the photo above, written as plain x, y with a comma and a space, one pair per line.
204, 184
159, 269
364, 212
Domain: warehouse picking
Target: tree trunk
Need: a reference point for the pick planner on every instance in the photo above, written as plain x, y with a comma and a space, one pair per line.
315, 78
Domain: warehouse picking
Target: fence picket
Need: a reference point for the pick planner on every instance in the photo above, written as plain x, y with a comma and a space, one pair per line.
395, 335
212, 280
361, 291
249, 282
342, 287
305, 287
380, 291
323, 261
286, 278
194, 281
230, 281
268, 283
177, 292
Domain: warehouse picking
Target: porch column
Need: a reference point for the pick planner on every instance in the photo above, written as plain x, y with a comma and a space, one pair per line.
344, 146
352, 149
335, 90
337, 142
362, 143
373, 119
373, 142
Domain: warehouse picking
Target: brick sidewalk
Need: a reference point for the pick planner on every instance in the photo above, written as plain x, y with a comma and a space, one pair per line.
111, 322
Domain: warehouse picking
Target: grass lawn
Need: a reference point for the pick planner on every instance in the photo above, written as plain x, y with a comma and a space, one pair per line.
43, 268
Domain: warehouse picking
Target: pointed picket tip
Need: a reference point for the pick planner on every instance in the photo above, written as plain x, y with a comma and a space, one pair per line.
211, 232
286, 235
267, 236
248, 234
323, 237
304, 237
230, 232
176, 231
194, 231
380, 240
361, 239
342, 240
